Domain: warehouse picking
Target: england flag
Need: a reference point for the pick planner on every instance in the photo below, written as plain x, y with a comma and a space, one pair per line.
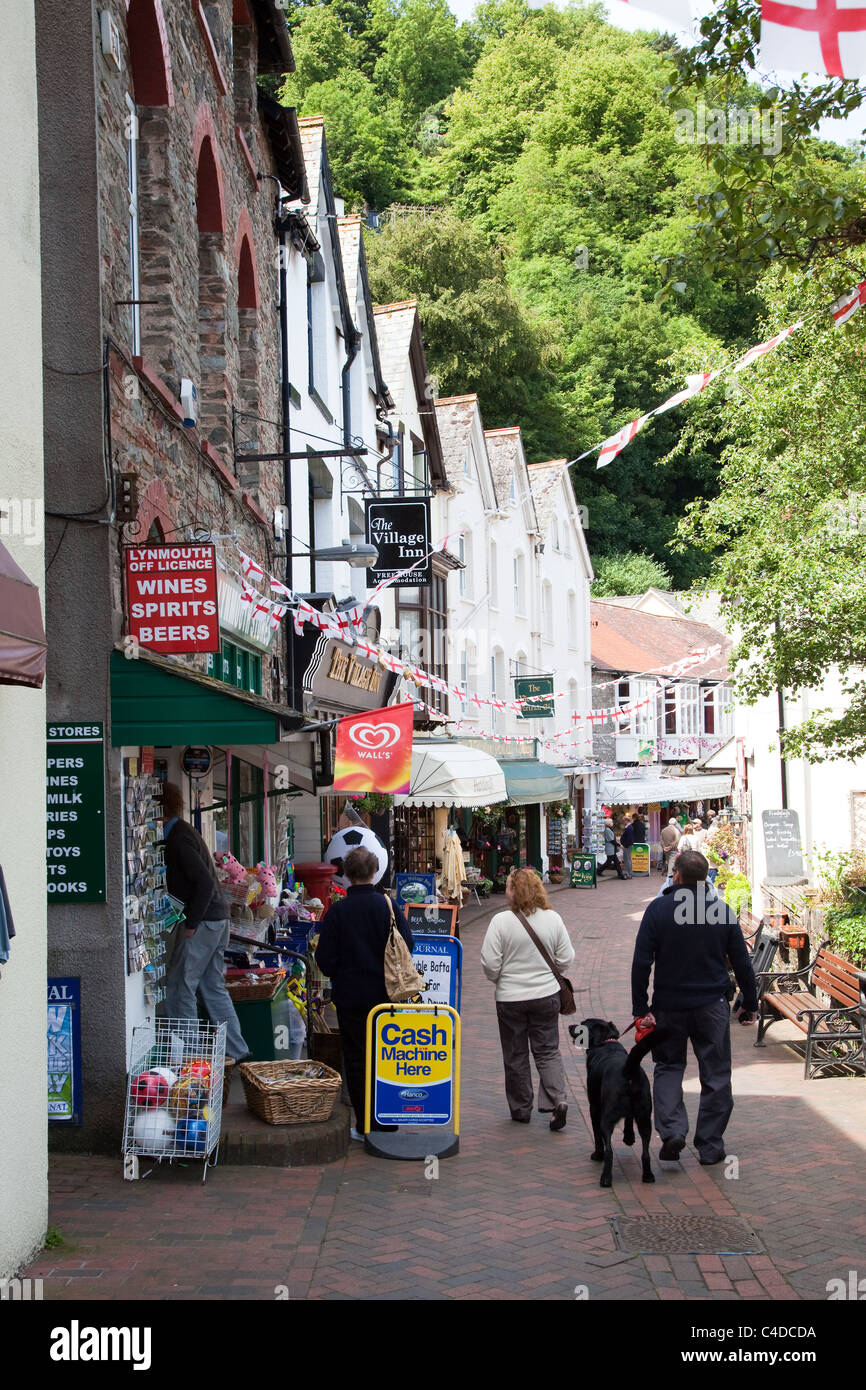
849, 303
823, 36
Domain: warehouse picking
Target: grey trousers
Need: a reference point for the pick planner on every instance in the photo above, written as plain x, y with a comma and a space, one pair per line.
197, 964
709, 1032
526, 1024
626, 861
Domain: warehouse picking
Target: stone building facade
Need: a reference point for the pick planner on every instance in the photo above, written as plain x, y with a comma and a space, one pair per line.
161, 172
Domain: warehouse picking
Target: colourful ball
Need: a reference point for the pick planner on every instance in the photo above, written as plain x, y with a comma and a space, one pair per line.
187, 1096
154, 1132
149, 1090
192, 1135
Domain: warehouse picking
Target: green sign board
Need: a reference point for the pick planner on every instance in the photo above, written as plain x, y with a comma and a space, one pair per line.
76, 812
583, 872
526, 687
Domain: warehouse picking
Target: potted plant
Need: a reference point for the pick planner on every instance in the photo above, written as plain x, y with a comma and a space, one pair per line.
499, 880
554, 871
484, 887
557, 810
373, 803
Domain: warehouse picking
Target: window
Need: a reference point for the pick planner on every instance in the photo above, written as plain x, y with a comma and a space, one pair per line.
493, 576
464, 550
572, 619
317, 317
215, 408
237, 666
422, 621
709, 711
554, 534
513, 491
519, 586
134, 259
547, 611
689, 702
670, 715
467, 463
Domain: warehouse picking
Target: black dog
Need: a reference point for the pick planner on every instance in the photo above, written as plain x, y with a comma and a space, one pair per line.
617, 1089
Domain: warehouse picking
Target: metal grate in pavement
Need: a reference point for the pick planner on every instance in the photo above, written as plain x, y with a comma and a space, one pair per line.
688, 1235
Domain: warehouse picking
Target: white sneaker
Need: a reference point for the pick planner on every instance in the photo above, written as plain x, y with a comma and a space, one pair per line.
353, 1134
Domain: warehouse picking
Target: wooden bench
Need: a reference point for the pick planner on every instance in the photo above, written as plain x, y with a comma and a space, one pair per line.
752, 928
833, 1035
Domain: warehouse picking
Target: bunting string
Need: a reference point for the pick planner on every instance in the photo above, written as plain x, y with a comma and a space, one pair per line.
841, 311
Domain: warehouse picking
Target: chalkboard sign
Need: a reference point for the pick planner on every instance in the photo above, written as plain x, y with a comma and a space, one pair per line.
432, 919
782, 844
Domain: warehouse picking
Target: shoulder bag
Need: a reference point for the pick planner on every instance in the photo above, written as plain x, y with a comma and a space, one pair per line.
566, 989
402, 981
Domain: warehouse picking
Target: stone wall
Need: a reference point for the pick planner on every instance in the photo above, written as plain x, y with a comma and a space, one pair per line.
198, 199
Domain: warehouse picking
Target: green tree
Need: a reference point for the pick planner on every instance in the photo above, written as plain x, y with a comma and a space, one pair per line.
787, 530
477, 336
629, 572
424, 57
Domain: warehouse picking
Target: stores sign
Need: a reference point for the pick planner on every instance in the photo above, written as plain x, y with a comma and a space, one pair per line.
400, 531
171, 598
75, 813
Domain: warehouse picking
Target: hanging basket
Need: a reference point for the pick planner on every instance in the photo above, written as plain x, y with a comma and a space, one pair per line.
290, 1093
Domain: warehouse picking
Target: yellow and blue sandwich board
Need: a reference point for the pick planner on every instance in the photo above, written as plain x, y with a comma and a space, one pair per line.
413, 1079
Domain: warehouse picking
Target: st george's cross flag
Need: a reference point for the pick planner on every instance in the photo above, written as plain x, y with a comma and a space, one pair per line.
761, 349
617, 442
814, 36
848, 304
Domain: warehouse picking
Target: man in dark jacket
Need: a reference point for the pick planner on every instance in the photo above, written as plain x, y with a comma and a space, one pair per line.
626, 839
351, 952
197, 963
687, 938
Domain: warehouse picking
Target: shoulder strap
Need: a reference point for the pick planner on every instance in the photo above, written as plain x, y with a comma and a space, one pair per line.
524, 921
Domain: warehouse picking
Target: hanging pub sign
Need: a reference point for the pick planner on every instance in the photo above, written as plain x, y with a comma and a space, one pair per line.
400, 531
528, 687
171, 598
374, 751
75, 795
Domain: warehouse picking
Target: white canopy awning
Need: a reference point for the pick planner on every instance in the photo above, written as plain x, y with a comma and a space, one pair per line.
450, 774
643, 790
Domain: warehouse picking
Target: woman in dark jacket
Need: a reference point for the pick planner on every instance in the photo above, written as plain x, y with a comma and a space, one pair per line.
351, 952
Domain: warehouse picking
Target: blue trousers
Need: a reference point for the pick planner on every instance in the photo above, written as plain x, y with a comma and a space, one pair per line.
197, 964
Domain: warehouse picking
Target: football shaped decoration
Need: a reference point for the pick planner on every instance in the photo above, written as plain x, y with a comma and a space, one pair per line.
355, 837
149, 1090
154, 1132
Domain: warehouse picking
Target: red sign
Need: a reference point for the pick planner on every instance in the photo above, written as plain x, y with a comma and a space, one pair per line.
171, 597
374, 751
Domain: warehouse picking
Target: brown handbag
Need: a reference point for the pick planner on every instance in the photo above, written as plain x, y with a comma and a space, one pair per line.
566, 989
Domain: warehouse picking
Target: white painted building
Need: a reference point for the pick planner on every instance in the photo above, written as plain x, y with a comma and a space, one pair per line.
23, 1004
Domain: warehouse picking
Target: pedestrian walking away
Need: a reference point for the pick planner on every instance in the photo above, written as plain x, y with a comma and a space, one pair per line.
670, 839
686, 938
611, 862
626, 839
351, 952
198, 959
527, 997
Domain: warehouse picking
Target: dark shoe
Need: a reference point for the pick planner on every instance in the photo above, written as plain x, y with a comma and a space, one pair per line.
708, 1162
559, 1115
671, 1149
521, 1119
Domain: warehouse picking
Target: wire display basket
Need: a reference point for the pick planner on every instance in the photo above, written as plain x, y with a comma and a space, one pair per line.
174, 1094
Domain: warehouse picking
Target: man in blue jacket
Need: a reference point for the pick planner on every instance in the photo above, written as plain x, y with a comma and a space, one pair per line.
686, 937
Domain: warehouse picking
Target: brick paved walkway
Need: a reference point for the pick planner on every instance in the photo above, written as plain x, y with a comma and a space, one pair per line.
518, 1214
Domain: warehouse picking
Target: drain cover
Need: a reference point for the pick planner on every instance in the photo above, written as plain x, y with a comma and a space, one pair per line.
692, 1235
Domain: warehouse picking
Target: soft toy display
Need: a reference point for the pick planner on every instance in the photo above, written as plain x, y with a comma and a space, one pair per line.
267, 876
233, 872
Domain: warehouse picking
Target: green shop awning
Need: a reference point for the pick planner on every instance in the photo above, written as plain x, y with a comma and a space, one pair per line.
153, 705
529, 782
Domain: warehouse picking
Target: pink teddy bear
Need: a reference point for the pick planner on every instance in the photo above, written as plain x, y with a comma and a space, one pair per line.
234, 872
267, 876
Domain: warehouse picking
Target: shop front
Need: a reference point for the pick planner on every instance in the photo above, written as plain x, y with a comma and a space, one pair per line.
240, 762
663, 797
448, 780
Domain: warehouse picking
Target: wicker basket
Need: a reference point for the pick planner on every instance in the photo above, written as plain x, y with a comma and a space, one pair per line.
242, 991
290, 1093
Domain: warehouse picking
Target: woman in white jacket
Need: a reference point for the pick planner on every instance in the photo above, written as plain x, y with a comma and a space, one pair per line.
527, 997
